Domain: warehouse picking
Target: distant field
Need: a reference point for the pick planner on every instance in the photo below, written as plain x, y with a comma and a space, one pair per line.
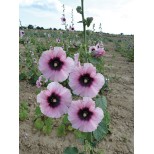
117, 65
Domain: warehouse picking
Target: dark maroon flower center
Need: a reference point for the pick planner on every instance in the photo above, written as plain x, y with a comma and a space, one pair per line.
72, 28
63, 19
85, 114
56, 64
54, 100
93, 49
85, 80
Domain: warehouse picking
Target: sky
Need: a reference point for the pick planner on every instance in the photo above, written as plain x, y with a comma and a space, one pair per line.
115, 16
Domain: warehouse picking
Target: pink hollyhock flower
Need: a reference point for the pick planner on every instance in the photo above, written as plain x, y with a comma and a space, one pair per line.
84, 115
54, 64
58, 40
97, 51
38, 82
92, 49
85, 82
63, 19
97, 45
21, 33
76, 59
54, 101
71, 28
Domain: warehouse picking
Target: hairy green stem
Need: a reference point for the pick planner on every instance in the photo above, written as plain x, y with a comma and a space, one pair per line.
84, 25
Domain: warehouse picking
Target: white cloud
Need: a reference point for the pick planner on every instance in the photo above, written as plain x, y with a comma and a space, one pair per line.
115, 16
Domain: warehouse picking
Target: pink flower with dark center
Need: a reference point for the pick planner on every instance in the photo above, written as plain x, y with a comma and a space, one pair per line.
71, 28
54, 64
55, 101
63, 19
97, 45
97, 51
21, 33
84, 80
84, 115
58, 40
92, 49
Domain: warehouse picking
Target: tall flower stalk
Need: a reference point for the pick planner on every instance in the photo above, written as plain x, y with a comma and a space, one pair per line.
85, 22
84, 25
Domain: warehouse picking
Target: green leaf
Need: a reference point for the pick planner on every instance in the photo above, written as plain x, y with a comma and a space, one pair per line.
101, 131
39, 124
82, 135
48, 122
72, 49
101, 102
38, 111
61, 130
89, 21
71, 150
24, 105
70, 128
65, 119
23, 115
47, 129
37, 91
107, 118
95, 61
80, 22
103, 127
22, 76
79, 9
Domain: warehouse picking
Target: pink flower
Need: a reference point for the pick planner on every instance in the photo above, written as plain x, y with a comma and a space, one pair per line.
97, 51
76, 59
92, 49
71, 28
63, 19
84, 115
54, 64
58, 40
54, 101
21, 33
85, 82
38, 82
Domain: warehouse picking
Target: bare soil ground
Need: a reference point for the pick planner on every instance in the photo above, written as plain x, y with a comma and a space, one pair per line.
120, 106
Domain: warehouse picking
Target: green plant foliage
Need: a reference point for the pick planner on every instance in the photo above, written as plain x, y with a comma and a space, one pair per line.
89, 21
103, 127
23, 115
47, 129
38, 112
101, 102
65, 119
61, 131
79, 9
48, 122
39, 124
71, 150
70, 128
23, 111
22, 76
